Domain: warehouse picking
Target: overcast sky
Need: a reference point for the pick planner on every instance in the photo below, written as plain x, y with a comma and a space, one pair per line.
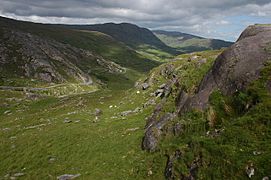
223, 19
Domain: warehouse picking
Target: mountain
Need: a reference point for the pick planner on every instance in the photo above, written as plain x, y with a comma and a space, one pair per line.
213, 119
127, 33
189, 43
141, 39
53, 53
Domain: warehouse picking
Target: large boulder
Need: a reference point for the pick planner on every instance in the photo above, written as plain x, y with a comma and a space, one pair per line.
235, 68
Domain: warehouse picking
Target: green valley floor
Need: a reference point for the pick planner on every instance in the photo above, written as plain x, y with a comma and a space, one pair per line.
53, 136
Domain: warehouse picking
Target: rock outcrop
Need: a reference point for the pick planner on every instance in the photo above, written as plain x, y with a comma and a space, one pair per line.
235, 68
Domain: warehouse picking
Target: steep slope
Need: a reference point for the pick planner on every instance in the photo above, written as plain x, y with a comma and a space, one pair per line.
215, 123
189, 43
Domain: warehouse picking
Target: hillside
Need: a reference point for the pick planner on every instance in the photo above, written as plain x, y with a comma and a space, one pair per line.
130, 34
66, 55
189, 43
138, 38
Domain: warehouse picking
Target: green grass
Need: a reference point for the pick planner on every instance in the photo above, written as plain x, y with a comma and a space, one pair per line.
33, 131
102, 150
244, 121
154, 53
188, 43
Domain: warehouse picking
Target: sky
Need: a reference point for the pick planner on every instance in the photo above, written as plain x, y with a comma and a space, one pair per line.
221, 19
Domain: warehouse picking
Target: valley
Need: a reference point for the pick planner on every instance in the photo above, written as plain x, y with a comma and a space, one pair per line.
86, 102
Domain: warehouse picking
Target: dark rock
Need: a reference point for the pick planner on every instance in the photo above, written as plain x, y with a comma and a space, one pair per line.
181, 100
145, 86
169, 166
154, 131
152, 119
159, 92
165, 89
151, 139
163, 120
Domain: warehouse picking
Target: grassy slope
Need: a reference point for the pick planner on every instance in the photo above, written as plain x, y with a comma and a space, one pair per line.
191, 44
102, 150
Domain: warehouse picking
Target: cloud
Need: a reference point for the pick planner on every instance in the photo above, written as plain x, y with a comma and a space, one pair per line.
194, 16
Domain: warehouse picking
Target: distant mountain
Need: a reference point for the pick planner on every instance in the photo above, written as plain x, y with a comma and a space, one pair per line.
140, 39
127, 33
189, 43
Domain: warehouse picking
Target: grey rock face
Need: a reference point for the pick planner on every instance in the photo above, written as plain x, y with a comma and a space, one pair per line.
154, 131
145, 86
156, 123
40, 58
235, 68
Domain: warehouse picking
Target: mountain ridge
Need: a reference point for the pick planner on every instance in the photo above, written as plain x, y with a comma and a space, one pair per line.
188, 43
